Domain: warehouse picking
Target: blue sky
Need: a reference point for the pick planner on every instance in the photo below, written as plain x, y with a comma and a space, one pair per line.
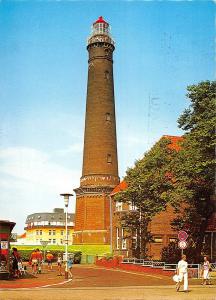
161, 47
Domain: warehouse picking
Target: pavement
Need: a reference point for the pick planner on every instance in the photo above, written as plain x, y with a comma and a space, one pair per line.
91, 282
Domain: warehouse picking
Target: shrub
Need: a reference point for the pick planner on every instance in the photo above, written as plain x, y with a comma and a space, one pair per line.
171, 253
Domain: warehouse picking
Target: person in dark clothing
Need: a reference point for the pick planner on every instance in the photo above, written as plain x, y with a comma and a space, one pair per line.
15, 259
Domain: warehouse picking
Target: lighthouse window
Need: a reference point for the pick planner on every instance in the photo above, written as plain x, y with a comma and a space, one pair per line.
106, 74
108, 117
109, 158
106, 51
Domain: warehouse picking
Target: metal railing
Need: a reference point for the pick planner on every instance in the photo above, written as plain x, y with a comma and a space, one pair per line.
193, 269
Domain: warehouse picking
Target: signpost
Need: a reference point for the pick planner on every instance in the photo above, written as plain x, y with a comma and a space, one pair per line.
182, 236
182, 245
44, 244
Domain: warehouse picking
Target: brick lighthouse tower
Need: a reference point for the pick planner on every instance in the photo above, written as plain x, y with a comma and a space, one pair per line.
100, 163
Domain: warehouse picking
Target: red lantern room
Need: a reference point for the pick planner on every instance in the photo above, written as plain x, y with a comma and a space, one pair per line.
100, 32
100, 26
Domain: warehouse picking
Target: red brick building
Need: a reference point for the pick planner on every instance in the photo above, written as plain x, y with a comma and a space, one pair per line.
159, 227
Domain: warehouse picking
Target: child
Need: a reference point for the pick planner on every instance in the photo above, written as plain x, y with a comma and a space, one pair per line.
70, 264
21, 269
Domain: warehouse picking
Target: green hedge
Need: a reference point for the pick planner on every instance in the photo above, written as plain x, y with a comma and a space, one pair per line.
85, 249
25, 254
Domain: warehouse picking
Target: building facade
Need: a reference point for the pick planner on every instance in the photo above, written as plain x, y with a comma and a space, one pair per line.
100, 163
48, 227
159, 227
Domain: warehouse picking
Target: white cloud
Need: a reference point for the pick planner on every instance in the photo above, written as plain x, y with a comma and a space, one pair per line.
33, 166
75, 148
31, 182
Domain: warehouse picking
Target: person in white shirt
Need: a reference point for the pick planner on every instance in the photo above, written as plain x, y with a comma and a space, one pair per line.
182, 272
206, 271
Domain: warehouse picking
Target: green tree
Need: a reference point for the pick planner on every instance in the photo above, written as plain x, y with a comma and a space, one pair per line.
194, 166
148, 190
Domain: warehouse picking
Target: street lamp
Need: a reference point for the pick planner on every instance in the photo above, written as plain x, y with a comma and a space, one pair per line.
66, 202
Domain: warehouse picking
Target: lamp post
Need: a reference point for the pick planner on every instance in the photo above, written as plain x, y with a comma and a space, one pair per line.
66, 202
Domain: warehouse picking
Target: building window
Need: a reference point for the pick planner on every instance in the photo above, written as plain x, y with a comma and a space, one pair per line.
109, 158
124, 242
61, 241
132, 206
54, 232
41, 232
158, 239
172, 240
37, 232
54, 241
62, 232
50, 241
134, 240
118, 206
50, 232
117, 238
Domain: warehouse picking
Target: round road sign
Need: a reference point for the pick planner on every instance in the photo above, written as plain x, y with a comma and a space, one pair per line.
182, 244
182, 236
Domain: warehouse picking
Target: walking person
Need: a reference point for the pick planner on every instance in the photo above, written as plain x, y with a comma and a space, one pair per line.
59, 262
34, 261
182, 272
49, 258
70, 264
206, 271
15, 260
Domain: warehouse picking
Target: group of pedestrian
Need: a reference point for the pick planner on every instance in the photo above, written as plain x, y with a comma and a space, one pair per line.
182, 273
36, 261
69, 265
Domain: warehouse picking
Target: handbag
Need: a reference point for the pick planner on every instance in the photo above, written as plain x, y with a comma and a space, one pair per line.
176, 278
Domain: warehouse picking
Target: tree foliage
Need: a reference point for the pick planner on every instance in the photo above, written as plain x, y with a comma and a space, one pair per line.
148, 190
184, 179
194, 166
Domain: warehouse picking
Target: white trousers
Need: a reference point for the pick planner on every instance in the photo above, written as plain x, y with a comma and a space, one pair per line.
185, 276
206, 274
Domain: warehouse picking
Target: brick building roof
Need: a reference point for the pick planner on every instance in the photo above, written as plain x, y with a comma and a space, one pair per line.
175, 141
120, 187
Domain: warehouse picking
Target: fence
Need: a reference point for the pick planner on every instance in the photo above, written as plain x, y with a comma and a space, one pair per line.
193, 269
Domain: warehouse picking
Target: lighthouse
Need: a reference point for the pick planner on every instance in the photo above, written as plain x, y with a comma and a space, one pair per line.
100, 162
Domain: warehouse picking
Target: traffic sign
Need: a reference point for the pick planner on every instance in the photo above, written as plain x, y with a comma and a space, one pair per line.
182, 236
182, 244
